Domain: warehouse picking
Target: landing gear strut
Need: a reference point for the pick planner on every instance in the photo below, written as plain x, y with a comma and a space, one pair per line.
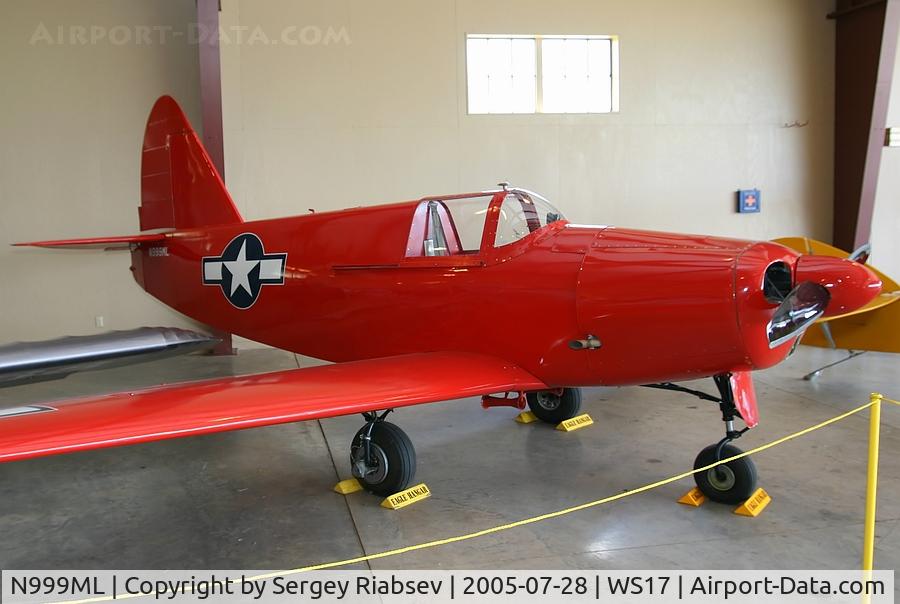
382, 457
731, 482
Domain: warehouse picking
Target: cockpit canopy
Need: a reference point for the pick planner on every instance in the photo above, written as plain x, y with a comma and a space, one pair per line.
469, 224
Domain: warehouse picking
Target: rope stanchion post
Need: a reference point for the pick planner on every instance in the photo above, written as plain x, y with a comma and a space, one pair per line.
872, 486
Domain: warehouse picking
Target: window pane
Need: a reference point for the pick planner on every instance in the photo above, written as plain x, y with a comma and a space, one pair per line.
553, 57
448, 227
501, 74
577, 75
523, 57
520, 215
554, 96
599, 60
524, 78
554, 72
576, 58
468, 217
524, 98
499, 57
600, 76
476, 67
476, 49
513, 224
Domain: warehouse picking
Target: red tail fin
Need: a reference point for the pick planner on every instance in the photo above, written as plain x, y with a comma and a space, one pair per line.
180, 187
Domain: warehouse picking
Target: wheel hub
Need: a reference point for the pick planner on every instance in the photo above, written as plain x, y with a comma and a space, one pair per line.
721, 478
548, 401
372, 471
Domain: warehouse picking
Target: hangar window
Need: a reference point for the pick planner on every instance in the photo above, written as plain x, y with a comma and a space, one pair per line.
542, 74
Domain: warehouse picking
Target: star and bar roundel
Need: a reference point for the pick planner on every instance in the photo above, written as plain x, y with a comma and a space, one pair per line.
243, 269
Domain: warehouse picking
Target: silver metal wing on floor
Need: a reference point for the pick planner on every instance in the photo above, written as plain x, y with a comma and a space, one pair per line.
28, 362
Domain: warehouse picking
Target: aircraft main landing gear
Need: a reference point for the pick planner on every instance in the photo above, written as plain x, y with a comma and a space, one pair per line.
382, 457
731, 482
554, 406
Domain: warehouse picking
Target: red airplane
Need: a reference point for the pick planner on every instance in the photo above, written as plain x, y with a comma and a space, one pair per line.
436, 299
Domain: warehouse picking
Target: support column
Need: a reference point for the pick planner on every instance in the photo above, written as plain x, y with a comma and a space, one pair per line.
211, 107
866, 43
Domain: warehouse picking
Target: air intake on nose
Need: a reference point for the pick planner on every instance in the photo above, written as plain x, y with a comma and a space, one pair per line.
777, 282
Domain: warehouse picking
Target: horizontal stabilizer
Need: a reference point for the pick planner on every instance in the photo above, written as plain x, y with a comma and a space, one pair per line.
97, 243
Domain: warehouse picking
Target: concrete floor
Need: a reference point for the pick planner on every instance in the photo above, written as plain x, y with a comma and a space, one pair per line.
262, 499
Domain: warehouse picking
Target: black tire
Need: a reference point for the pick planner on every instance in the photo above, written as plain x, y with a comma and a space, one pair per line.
550, 408
389, 444
730, 483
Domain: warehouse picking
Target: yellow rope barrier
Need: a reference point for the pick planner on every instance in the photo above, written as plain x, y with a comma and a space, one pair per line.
511, 525
558, 513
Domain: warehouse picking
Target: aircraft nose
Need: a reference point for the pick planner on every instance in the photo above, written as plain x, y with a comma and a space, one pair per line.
851, 284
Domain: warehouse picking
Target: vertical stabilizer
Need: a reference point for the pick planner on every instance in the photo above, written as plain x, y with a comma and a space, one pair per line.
180, 186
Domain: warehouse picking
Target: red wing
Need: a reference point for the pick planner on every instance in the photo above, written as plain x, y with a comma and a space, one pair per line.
251, 401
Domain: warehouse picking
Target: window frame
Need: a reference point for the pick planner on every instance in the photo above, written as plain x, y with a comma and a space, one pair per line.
415, 254
487, 253
539, 71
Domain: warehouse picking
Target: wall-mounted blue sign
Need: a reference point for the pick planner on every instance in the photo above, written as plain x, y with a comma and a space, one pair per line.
748, 201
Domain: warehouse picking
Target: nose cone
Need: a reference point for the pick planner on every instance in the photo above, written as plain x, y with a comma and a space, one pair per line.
851, 284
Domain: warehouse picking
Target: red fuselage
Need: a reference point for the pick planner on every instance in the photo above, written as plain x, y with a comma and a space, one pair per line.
664, 307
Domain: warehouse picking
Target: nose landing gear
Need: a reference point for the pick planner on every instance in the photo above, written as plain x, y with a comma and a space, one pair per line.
732, 482
382, 457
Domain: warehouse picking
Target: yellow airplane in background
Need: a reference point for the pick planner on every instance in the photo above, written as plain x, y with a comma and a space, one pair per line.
873, 327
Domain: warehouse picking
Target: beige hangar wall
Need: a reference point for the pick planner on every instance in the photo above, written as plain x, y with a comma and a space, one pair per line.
376, 110
886, 219
71, 126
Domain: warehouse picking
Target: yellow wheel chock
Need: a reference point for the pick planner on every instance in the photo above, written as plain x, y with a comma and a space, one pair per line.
752, 508
345, 487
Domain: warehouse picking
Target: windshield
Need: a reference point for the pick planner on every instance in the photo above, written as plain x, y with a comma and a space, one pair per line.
521, 214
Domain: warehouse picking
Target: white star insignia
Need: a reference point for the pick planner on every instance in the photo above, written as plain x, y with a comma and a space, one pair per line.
240, 269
